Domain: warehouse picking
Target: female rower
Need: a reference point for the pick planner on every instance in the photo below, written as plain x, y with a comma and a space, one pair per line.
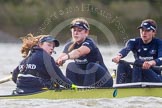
38, 70
88, 68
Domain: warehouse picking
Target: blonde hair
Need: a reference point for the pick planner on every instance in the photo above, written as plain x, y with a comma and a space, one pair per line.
80, 19
28, 42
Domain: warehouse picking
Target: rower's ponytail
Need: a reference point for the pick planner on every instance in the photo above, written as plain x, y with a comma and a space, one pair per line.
71, 47
28, 42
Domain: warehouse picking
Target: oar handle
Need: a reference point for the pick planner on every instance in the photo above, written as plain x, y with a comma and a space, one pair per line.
131, 63
140, 65
157, 67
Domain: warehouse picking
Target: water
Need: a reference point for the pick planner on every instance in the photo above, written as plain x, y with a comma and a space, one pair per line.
10, 57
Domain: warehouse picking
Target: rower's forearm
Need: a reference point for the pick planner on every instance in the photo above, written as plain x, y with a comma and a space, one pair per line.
74, 54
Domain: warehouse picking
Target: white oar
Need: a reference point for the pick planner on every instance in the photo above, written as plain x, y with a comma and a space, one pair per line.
76, 87
6, 79
85, 87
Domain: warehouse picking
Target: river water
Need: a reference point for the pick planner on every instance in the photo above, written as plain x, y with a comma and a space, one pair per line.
10, 57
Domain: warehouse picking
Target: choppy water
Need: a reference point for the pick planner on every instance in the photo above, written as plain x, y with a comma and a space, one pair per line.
10, 57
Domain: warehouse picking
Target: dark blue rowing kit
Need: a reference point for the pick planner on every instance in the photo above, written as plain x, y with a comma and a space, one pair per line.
33, 73
88, 70
142, 52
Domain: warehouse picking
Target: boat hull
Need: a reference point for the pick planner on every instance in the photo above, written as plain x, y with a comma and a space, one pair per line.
90, 93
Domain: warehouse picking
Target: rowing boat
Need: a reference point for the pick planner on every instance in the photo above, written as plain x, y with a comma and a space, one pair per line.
118, 91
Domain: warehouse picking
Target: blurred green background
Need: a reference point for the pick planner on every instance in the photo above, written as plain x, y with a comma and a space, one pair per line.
121, 17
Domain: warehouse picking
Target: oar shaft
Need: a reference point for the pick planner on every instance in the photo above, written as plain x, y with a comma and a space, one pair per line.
139, 64
6, 79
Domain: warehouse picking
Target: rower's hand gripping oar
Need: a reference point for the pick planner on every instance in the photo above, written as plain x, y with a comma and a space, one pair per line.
140, 65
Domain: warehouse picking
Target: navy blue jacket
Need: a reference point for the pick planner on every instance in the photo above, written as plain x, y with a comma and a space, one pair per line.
33, 72
94, 56
144, 52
